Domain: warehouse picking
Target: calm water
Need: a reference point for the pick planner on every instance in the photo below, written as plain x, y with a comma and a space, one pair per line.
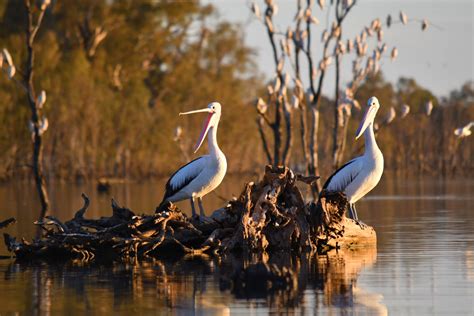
423, 264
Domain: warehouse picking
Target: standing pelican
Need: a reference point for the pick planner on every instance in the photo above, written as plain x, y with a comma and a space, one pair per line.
360, 175
203, 174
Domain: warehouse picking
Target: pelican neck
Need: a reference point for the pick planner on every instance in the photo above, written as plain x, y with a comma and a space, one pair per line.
369, 138
212, 145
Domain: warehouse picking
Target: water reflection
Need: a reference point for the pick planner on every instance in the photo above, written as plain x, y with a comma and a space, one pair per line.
192, 285
424, 264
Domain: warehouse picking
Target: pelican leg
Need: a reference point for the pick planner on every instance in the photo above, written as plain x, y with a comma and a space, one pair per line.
201, 208
192, 206
354, 211
356, 217
351, 211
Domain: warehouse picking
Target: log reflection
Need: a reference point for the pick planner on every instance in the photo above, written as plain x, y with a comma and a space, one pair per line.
274, 283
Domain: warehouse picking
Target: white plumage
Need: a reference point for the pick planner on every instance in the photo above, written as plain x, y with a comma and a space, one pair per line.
204, 174
360, 175
464, 131
405, 110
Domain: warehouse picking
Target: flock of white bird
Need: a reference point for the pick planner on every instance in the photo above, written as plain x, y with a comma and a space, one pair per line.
202, 175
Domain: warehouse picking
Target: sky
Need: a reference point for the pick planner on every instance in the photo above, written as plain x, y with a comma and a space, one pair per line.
440, 59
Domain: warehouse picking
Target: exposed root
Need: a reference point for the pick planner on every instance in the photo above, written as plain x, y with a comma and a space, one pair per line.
269, 215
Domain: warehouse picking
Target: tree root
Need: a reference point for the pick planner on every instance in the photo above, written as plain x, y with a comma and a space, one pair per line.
268, 216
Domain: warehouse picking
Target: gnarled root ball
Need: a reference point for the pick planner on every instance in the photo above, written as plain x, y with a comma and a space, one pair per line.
269, 215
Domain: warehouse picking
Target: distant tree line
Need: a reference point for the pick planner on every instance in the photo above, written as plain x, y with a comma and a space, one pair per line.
117, 73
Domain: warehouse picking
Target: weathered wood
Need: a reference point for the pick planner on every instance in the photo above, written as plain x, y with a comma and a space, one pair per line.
7, 222
268, 216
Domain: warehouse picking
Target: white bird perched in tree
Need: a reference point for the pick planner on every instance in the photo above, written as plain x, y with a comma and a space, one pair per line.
261, 106
43, 127
324, 36
344, 109
428, 107
369, 31
295, 102
309, 97
299, 15
178, 132
404, 111
360, 175
7, 57
204, 174
256, 10
380, 35
269, 23
394, 54
321, 3
11, 71
312, 19
403, 18
464, 131
31, 128
273, 9
390, 116
346, 4
43, 4
349, 46
41, 99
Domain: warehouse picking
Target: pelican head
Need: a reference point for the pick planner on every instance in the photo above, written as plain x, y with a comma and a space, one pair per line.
369, 116
214, 110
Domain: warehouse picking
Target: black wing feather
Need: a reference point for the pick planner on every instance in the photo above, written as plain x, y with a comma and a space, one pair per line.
342, 167
169, 190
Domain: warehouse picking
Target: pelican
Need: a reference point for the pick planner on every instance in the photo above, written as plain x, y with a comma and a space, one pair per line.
203, 174
360, 175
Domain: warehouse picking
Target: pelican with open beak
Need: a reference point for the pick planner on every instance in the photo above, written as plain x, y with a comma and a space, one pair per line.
202, 175
360, 175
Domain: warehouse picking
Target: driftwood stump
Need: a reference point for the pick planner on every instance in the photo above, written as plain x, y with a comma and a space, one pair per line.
270, 215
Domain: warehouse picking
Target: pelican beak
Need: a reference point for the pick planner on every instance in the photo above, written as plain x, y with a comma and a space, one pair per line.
368, 118
206, 127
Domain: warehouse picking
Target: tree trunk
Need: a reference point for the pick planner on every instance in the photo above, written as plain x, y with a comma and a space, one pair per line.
37, 139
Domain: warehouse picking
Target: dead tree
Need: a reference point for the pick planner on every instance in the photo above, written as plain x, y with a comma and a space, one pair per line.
332, 48
38, 123
277, 100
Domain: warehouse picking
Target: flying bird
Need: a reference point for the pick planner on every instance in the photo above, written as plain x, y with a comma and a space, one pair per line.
464, 131
360, 175
203, 174
403, 18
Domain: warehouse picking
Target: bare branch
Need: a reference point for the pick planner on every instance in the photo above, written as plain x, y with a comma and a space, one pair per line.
264, 140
